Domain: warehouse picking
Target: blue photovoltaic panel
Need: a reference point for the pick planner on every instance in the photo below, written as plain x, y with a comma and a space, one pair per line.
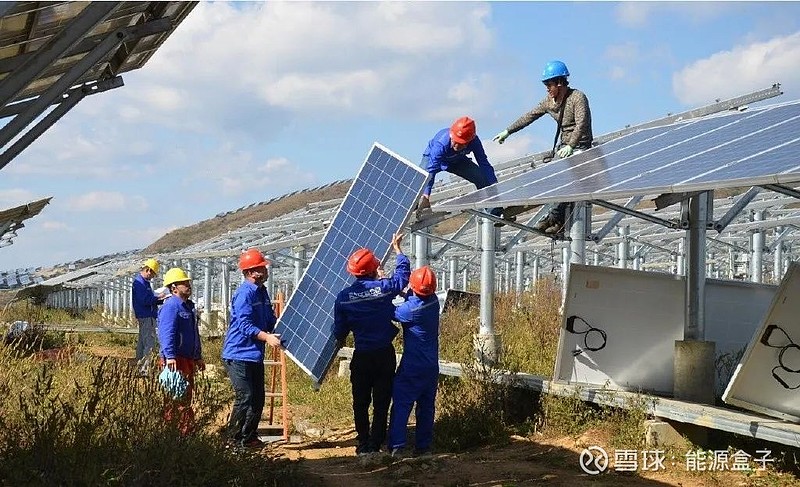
377, 205
743, 148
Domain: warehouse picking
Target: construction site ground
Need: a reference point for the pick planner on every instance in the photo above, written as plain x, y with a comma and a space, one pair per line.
521, 462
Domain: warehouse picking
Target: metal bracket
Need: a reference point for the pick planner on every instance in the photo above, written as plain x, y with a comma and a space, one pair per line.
637, 214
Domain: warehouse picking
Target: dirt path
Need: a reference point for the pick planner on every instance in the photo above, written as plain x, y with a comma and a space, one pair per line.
521, 462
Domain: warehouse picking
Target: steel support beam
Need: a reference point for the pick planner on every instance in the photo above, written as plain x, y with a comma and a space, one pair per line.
54, 49
737, 208
700, 207
55, 115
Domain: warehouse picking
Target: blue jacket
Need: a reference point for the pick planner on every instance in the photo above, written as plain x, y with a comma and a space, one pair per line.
251, 313
420, 320
441, 156
365, 308
177, 329
144, 301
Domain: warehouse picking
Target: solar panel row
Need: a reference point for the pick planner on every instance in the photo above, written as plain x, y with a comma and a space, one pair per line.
743, 148
377, 205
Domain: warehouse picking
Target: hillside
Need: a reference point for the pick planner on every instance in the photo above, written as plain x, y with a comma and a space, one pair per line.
185, 236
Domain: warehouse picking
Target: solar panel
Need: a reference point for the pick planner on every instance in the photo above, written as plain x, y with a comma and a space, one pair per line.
742, 148
767, 378
377, 205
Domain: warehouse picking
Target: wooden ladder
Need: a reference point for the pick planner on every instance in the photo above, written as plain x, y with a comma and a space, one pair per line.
274, 365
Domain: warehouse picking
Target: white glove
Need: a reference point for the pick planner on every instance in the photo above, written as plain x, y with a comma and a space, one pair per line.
565, 151
501, 137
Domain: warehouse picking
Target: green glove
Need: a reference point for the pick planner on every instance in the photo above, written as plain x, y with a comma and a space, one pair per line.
565, 151
501, 137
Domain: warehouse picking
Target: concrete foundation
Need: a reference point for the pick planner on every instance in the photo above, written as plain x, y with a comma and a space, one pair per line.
487, 348
694, 371
661, 434
344, 368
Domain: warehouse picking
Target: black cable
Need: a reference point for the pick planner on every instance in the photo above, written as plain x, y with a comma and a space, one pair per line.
783, 348
571, 328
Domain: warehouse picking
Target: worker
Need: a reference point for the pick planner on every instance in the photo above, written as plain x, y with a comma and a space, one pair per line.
179, 337
447, 151
570, 109
145, 309
252, 322
365, 308
418, 375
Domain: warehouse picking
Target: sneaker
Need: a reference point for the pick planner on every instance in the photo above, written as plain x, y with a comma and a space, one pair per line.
422, 452
544, 223
399, 452
362, 449
253, 443
554, 228
502, 224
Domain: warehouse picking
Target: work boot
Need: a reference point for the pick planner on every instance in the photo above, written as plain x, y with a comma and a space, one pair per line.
555, 227
545, 223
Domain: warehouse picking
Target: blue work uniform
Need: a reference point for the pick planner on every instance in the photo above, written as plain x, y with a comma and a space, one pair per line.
440, 156
144, 301
243, 356
145, 309
418, 375
177, 330
366, 309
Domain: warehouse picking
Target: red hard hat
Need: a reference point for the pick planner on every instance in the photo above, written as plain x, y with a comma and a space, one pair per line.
423, 281
362, 263
463, 130
252, 258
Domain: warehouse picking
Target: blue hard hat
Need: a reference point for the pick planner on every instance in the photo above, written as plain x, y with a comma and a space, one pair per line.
554, 69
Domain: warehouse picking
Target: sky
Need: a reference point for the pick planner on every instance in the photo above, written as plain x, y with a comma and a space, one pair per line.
251, 100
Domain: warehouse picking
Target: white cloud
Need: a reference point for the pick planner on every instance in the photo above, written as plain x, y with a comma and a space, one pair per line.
319, 58
638, 14
52, 225
515, 146
106, 201
742, 69
16, 197
273, 174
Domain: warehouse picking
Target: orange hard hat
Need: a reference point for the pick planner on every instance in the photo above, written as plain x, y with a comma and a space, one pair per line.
463, 130
423, 281
362, 263
252, 258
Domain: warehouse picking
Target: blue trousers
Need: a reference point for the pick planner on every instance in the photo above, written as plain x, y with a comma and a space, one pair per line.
147, 337
474, 174
247, 379
412, 386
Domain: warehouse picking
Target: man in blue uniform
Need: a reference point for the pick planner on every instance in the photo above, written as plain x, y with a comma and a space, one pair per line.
365, 308
252, 322
181, 348
418, 375
145, 309
447, 151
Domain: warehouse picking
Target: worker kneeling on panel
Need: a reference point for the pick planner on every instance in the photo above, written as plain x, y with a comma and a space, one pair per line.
418, 375
365, 308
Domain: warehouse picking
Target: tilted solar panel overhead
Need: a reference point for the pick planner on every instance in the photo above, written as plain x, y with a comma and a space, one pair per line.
376, 206
759, 146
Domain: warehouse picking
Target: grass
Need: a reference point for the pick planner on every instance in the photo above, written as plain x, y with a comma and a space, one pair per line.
87, 420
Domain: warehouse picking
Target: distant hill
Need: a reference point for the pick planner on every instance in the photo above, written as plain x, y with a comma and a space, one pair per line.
213, 227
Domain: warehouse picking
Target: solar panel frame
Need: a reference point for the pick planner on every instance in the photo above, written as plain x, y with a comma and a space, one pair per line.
743, 144
306, 322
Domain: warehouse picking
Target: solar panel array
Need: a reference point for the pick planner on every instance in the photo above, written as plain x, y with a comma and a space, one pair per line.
376, 206
743, 148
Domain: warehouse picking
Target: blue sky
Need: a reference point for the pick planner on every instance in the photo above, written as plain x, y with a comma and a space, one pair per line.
247, 101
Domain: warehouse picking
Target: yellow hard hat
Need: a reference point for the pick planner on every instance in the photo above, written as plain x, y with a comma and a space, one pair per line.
176, 274
152, 264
